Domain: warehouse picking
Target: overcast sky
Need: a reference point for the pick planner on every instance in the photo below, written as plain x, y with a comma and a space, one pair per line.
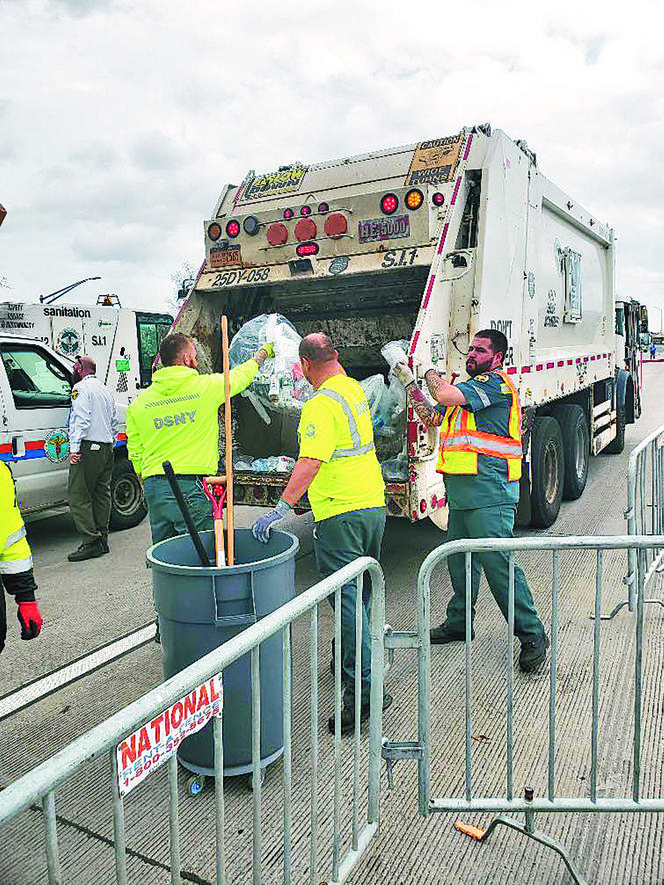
121, 121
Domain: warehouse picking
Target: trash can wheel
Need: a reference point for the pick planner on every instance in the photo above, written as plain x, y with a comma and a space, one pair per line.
195, 784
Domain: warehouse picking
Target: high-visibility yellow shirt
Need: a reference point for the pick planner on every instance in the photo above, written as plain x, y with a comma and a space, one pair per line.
176, 419
15, 555
335, 428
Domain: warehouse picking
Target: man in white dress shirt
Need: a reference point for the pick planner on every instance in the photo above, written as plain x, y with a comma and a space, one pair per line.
93, 424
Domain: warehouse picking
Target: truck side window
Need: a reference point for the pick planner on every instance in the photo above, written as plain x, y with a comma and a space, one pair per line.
151, 330
35, 380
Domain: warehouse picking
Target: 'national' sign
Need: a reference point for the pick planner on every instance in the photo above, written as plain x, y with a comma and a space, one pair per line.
154, 743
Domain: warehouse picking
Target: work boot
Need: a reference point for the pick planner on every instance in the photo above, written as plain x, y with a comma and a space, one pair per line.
87, 551
442, 634
157, 634
348, 713
533, 653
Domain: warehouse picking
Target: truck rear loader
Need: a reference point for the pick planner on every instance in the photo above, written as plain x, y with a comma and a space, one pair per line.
429, 243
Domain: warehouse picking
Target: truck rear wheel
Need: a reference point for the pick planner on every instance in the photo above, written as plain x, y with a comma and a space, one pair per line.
576, 449
127, 502
547, 462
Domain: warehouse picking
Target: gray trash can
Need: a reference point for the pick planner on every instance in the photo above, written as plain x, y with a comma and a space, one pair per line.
199, 609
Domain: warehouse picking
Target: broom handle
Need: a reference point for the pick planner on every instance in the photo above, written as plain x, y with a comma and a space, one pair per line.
230, 513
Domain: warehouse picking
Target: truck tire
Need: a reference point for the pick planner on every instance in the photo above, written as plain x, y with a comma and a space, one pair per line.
576, 448
616, 446
127, 501
547, 462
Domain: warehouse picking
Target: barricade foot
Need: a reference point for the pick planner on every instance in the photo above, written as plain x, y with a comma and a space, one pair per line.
526, 830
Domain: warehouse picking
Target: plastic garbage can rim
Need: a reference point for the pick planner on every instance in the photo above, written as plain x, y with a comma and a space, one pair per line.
237, 569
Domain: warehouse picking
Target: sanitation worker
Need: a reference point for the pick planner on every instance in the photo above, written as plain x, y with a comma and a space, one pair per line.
16, 574
338, 469
176, 419
93, 425
480, 457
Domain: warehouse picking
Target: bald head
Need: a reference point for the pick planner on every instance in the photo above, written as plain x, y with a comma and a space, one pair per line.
84, 365
317, 348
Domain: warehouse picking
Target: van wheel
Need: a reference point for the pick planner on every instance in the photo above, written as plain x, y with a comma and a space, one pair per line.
127, 501
576, 449
616, 446
548, 467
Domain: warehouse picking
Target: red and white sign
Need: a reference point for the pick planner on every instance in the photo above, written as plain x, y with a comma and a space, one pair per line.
156, 741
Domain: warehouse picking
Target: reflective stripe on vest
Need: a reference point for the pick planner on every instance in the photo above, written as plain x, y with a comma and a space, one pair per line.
15, 536
461, 442
15, 566
358, 448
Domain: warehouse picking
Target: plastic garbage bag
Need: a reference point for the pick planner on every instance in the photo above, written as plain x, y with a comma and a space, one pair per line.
279, 383
395, 352
373, 387
396, 468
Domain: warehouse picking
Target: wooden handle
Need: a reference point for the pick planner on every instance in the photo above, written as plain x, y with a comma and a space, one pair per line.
215, 480
230, 514
219, 543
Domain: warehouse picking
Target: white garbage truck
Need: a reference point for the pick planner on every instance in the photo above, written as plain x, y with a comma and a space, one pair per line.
426, 244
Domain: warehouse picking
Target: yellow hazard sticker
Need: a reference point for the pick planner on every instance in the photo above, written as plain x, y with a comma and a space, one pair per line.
481, 378
74, 394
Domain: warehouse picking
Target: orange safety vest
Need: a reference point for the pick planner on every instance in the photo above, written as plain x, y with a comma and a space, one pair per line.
461, 442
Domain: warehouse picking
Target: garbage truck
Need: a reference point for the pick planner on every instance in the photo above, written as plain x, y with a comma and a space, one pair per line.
427, 244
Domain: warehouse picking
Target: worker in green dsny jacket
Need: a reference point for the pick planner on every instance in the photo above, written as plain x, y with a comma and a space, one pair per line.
176, 419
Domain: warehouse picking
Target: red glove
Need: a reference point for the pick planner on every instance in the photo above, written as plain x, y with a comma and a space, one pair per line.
30, 619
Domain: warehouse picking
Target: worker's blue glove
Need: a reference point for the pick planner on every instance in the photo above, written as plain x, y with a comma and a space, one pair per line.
261, 528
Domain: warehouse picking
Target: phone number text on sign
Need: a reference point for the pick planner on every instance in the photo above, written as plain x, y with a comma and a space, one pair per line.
234, 277
156, 741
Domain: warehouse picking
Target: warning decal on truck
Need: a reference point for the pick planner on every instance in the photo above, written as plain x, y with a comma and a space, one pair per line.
434, 161
283, 182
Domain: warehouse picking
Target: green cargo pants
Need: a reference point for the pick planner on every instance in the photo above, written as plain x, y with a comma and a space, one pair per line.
338, 541
90, 490
489, 522
166, 520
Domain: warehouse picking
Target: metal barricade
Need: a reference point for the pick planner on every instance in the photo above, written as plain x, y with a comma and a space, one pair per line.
40, 784
420, 750
644, 515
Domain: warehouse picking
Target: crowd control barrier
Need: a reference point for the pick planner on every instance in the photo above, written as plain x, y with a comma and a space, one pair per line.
40, 784
508, 802
644, 515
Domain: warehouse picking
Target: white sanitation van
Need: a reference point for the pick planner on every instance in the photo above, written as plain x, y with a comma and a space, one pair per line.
122, 342
35, 398
429, 243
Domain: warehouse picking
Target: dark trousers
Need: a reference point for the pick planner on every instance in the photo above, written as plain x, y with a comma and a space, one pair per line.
90, 490
166, 520
338, 541
489, 522
3, 617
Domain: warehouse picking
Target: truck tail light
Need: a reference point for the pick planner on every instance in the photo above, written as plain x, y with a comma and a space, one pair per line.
305, 210
389, 204
251, 225
307, 249
414, 199
288, 214
335, 225
323, 208
438, 199
214, 231
305, 229
277, 234
233, 229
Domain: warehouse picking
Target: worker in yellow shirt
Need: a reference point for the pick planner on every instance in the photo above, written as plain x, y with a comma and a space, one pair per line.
338, 469
176, 419
16, 574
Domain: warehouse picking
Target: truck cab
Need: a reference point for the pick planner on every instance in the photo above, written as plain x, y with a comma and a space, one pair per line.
35, 398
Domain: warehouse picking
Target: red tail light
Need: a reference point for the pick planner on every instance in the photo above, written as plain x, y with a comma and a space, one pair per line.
389, 204
305, 229
307, 249
335, 225
277, 234
233, 229
214, 231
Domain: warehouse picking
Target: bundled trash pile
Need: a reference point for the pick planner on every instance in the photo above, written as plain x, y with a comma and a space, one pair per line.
280, 387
